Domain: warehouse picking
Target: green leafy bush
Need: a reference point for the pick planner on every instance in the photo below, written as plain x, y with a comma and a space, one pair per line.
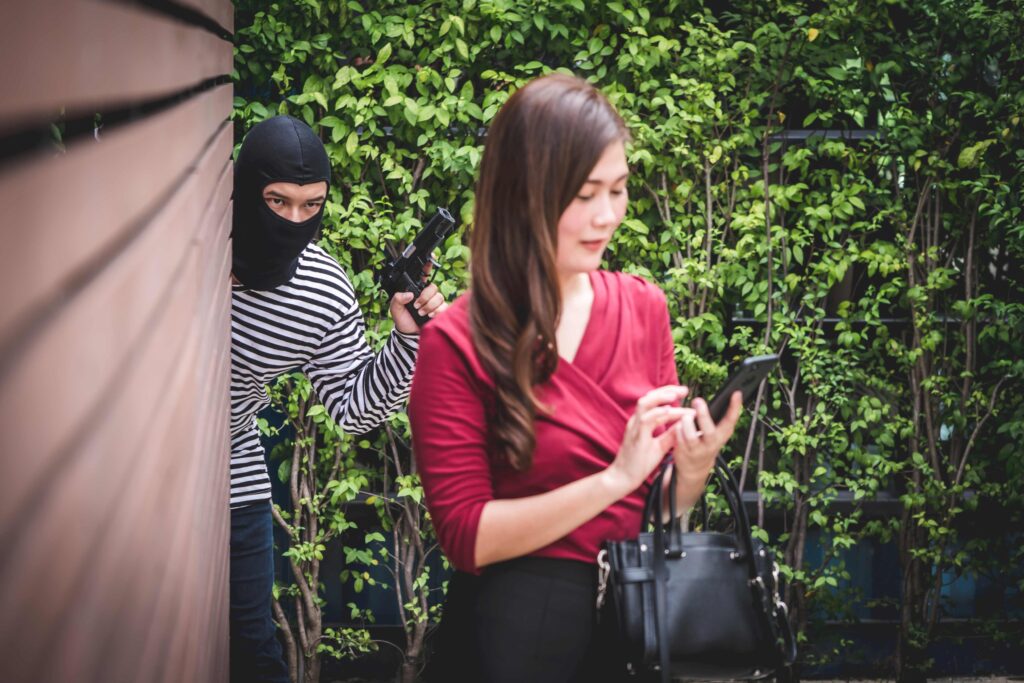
880, 254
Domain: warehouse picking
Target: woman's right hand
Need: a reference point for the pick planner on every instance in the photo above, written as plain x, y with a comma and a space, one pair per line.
513, 527
641, 451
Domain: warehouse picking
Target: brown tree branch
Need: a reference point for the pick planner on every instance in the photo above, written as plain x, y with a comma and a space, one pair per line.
283, 523
289, 641
977, 429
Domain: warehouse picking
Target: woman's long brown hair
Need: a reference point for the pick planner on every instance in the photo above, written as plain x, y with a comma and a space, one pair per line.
540, 149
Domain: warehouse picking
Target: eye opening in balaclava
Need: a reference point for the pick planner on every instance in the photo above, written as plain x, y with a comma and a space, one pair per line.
267, 246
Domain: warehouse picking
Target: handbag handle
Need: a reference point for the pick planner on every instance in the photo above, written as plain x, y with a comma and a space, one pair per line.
674, 545
652, 504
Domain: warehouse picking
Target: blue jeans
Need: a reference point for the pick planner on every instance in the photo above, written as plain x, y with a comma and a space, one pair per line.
255, 651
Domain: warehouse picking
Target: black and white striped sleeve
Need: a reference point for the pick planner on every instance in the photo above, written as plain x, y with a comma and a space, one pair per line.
360, 389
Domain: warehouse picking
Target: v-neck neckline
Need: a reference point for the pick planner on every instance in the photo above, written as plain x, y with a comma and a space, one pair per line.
597, 308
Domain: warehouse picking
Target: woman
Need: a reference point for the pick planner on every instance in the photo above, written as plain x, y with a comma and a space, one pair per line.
549, 393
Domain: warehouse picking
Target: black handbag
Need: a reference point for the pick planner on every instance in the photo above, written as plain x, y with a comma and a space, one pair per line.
696, 605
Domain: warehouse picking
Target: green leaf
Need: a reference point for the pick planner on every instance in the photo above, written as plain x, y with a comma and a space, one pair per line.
798, 254
412, 111
715, 155
836, 73
970, 157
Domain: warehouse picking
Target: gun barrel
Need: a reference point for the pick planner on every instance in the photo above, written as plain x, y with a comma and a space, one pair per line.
409, 265
440, 225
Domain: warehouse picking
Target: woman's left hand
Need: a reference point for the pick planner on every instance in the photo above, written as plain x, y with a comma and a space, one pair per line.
698, 439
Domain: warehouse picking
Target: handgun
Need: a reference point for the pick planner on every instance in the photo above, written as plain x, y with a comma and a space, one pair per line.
404, 273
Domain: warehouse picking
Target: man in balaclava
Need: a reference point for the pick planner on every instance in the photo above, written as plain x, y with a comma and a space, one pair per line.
292, 306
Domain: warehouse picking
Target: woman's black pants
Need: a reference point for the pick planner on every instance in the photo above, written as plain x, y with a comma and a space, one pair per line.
530, 619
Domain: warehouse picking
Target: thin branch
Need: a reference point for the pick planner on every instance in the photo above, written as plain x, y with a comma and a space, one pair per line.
760, 468
293, 484
709, 232
657, 202
421, 165
750, 434
304, 589
301, 628
289, 641
283, 523
921, 201
977, 430
336, 466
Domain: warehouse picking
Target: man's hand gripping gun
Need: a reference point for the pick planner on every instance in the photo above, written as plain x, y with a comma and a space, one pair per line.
404, 273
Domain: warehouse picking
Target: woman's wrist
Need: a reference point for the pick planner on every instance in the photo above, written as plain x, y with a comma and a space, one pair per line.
691, 472
616, 483
690, 484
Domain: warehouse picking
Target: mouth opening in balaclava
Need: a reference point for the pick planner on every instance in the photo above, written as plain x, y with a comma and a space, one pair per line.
267, 246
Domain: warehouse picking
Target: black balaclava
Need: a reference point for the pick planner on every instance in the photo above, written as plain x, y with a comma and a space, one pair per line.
267, 246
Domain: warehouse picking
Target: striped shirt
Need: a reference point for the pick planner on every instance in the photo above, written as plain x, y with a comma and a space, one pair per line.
312, 323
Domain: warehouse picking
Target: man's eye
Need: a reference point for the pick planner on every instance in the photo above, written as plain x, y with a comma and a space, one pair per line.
274, 201
313, 205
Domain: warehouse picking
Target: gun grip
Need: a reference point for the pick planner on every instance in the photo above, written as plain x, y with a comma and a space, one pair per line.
416, 288
421, 320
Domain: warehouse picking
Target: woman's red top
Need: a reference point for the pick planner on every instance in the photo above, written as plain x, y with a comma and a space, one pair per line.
626, 351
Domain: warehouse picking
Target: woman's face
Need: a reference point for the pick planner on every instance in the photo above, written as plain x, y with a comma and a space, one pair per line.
587, 224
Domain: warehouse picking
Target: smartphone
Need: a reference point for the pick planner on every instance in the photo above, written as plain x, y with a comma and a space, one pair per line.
745, 378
